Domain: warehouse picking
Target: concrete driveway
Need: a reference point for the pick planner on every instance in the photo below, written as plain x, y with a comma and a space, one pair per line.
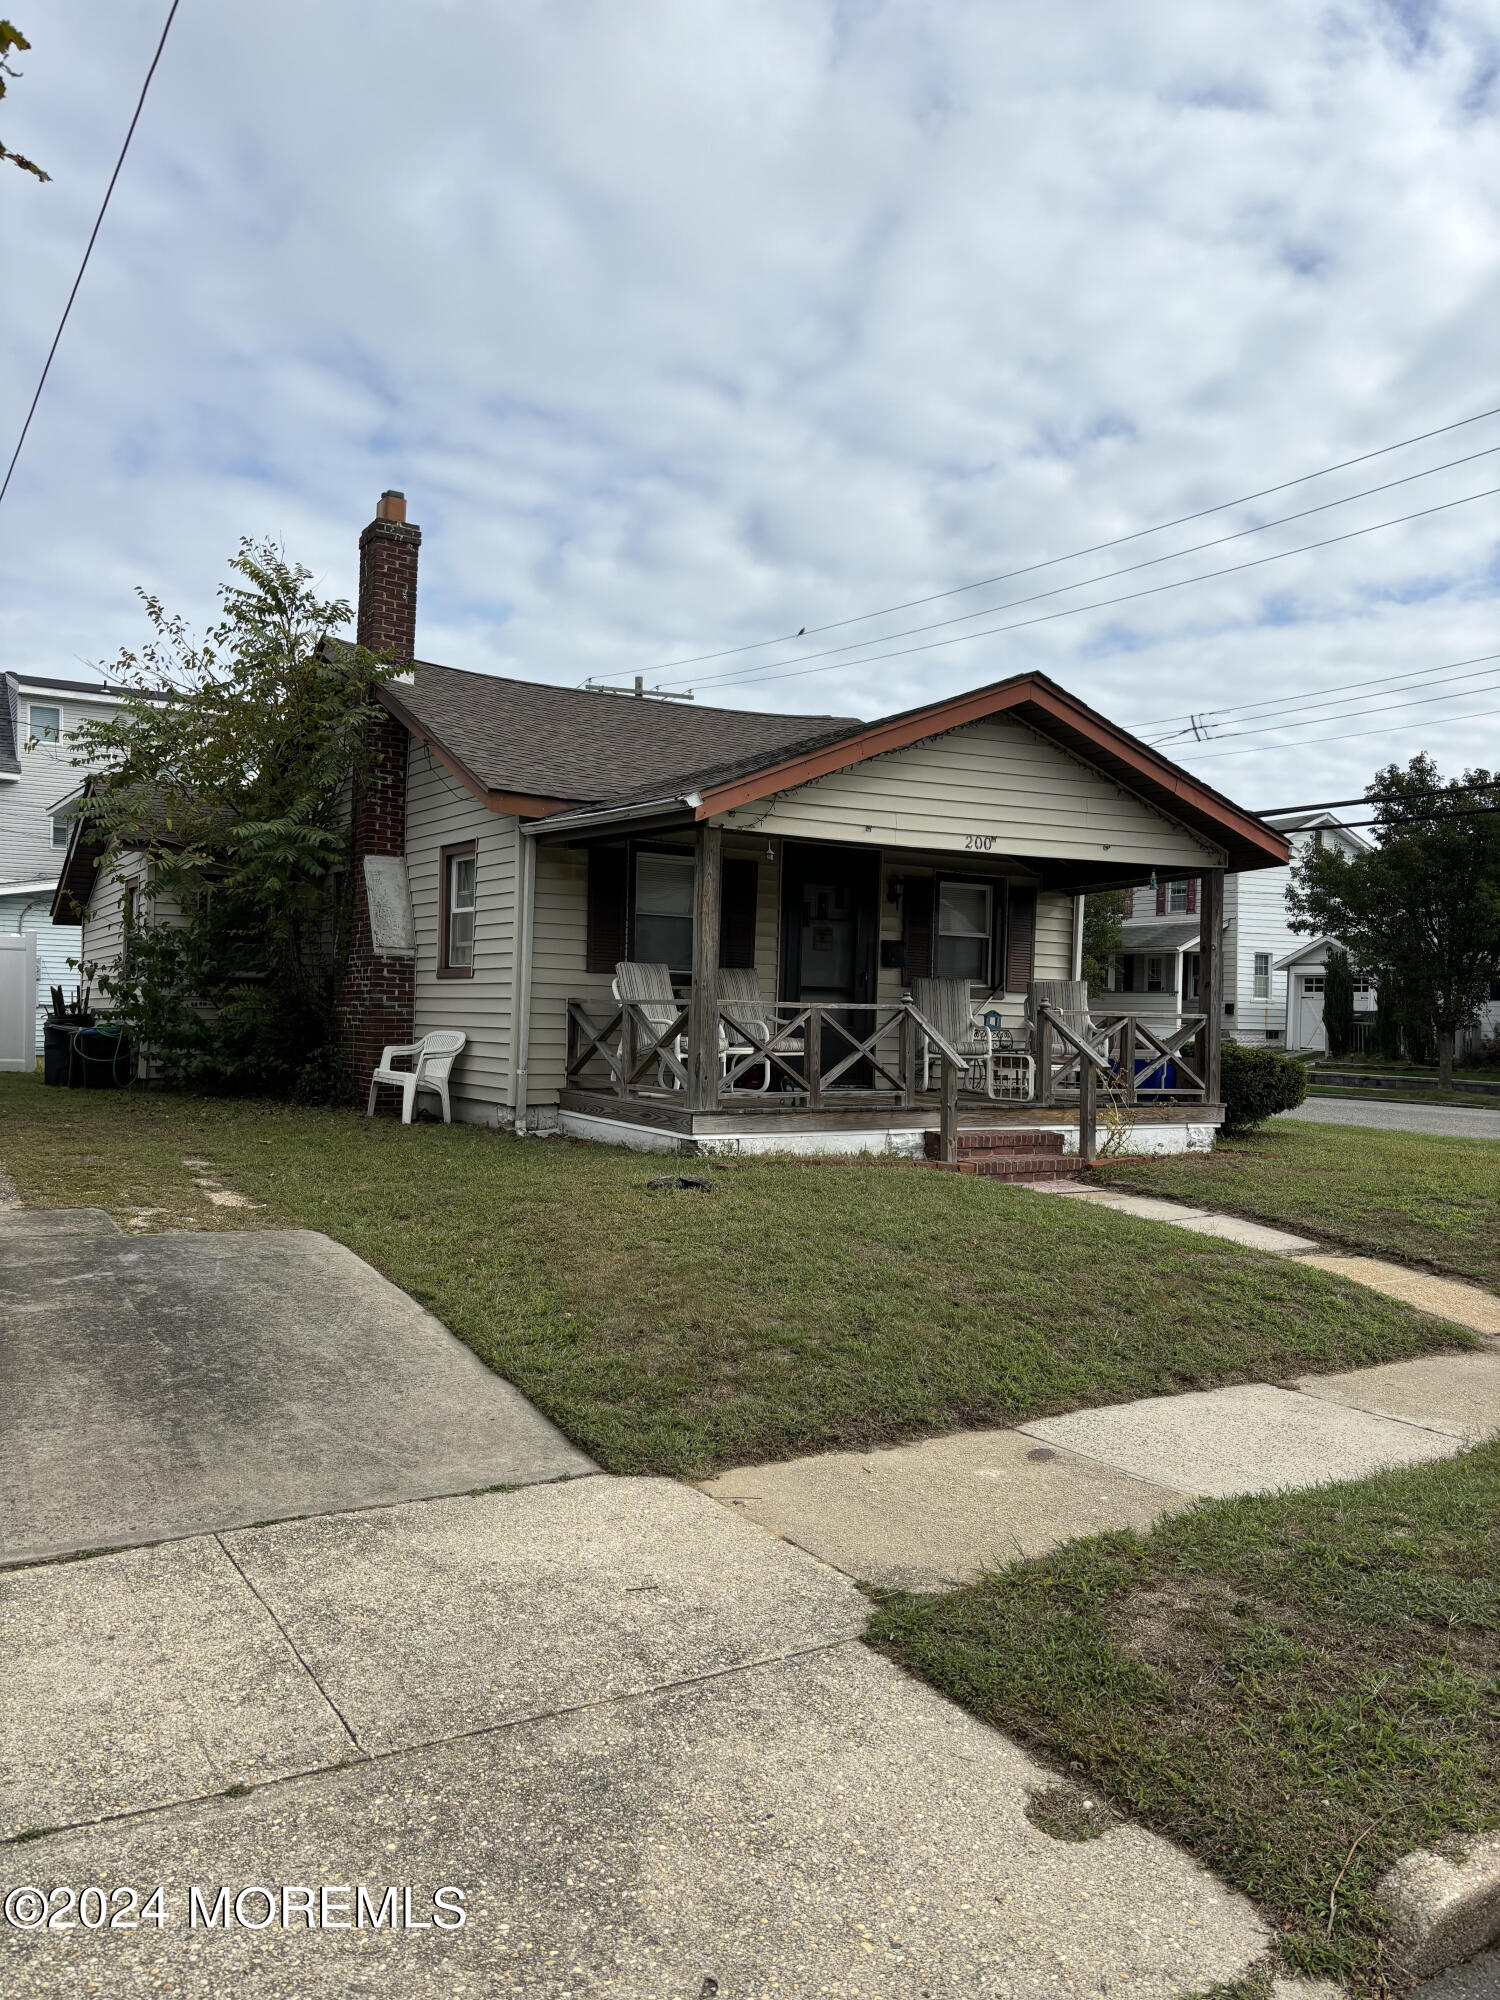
633, 1741
1455, 1121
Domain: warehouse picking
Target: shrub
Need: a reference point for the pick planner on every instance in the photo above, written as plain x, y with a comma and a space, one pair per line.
1257, 1083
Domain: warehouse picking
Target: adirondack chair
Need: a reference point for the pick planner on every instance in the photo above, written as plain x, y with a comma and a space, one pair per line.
741, 1002
991, 1065
648, 988
435, 1056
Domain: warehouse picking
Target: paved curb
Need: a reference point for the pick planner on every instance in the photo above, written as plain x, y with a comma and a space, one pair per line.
1445, 1911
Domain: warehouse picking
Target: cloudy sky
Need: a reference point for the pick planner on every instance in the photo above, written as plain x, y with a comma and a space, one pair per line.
685, 324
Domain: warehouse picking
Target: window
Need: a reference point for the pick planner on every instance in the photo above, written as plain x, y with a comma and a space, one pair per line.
1363, 983
1177, 899
965, 917
1153, 975
45, 724
664, 910
457, 957
1261, 987
1312, 982
62, 828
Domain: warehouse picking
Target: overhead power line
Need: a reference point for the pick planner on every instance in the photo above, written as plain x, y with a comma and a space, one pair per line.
88, 249
1075, 555
1377, 799
1344, 736
1130, 569
1209, 716
793, 672
1271, 727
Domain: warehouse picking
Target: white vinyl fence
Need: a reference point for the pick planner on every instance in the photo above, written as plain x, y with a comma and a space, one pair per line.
18, 1001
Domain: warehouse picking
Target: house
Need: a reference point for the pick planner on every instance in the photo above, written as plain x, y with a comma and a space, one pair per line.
38, 783
516, 842
1265, 1001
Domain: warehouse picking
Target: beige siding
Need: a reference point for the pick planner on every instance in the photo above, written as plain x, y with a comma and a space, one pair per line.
1054, 937
439, 814
103, 934
558, 955
993, 781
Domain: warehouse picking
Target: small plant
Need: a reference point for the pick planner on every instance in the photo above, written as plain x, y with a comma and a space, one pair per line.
1256, 1084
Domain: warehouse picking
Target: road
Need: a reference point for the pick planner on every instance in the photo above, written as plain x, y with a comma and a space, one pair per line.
1446, 1121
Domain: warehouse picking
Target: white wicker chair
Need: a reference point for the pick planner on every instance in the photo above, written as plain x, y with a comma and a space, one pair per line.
435, 1056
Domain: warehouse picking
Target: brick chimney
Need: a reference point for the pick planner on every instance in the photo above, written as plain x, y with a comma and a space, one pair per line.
377, 995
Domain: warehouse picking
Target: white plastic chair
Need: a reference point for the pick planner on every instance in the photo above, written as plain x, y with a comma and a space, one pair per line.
435, 1056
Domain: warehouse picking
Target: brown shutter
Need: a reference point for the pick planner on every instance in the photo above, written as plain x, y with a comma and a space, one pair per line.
916, 925
1192, 897
741, 894
1020, 938
1161, 899
608, 876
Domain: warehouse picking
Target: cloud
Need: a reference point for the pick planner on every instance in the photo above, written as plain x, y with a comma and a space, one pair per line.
685, 324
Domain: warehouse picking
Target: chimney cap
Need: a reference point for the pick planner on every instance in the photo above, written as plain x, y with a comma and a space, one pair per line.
391, 505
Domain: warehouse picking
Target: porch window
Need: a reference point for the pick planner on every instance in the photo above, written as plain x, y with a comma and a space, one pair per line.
1153, 975
966, 913
664, 910
457, 957
1261, 988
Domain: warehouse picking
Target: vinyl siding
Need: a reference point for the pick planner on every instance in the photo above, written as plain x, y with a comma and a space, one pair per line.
48, 774
994, 780
439, 814
103, 931
558, 957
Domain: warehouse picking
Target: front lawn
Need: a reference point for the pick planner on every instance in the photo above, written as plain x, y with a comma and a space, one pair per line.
1390, 1194
801, 1306
1300, 1688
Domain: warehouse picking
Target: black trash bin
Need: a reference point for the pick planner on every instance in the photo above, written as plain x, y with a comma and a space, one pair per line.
105, 1058
60, 1064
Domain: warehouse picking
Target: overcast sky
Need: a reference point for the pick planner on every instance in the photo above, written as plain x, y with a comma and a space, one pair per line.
683, 326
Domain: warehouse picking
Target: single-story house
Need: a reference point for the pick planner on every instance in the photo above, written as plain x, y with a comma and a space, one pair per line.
519, 842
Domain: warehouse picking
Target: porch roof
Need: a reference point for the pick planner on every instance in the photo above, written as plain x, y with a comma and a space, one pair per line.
536, 750
1159, 934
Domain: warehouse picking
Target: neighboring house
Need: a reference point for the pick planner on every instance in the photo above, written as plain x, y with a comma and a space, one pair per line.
517, 841
1266, 1002
38, 781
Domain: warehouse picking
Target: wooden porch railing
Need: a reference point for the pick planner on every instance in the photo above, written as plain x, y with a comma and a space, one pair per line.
1104, 1052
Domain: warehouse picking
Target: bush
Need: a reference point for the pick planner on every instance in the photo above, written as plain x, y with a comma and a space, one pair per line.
1257, 1083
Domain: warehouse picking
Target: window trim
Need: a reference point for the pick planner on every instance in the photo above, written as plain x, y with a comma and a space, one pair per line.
1258, 990
460, 850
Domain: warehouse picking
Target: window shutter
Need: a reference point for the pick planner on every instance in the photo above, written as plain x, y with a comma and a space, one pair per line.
1020, 938
1161, 899
1192, 897
740, 895
608, 876
917, 894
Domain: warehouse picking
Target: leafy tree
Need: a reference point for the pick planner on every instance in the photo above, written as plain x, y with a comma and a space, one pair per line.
1103, 915
12, 38
1338, 1001
1421, 910
237, 784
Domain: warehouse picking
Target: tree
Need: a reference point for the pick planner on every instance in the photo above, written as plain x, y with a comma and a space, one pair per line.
1103, 915
1338, 1001
1421, 910
238, 785
12, 38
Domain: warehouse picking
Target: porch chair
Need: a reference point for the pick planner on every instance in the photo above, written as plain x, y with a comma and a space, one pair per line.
435, 1056
741, 1003
990, 1063
648, 988
1070, 998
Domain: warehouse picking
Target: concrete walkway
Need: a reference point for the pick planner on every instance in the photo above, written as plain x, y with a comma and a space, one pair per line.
641, 1737
1456, 1121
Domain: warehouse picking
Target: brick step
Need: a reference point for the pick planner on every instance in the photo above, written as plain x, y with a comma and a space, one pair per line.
998, 1142
1013, 1167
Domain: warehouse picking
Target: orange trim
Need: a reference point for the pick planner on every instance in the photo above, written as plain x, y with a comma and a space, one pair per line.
897, 732
524, 805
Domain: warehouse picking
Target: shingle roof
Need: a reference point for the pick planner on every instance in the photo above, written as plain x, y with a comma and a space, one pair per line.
1158, 933
588, 748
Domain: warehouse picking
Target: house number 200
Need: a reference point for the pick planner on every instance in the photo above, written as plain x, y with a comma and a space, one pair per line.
979, 842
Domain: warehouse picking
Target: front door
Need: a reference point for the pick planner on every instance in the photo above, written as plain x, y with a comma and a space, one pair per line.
830, 928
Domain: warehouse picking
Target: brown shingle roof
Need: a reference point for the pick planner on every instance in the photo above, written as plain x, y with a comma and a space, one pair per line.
586, 748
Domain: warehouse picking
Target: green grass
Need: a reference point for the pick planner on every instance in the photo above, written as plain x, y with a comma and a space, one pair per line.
802, 1306
1280, 1683
1466, 1100
1419, 1200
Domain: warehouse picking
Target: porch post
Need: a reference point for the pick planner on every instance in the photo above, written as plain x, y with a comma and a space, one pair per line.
1211, 975
703, 1008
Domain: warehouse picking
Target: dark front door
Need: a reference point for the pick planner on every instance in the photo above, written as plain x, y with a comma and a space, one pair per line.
830, 927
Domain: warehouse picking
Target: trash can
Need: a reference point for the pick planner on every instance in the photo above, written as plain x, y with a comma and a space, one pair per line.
60, 1065
105, 1058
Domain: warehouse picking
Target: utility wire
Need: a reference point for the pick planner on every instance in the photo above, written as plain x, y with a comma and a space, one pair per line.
1241, 709
89, 249
1352, 736
1050, 562
1377, 799
1270, 726
1130, 569
1126, 597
